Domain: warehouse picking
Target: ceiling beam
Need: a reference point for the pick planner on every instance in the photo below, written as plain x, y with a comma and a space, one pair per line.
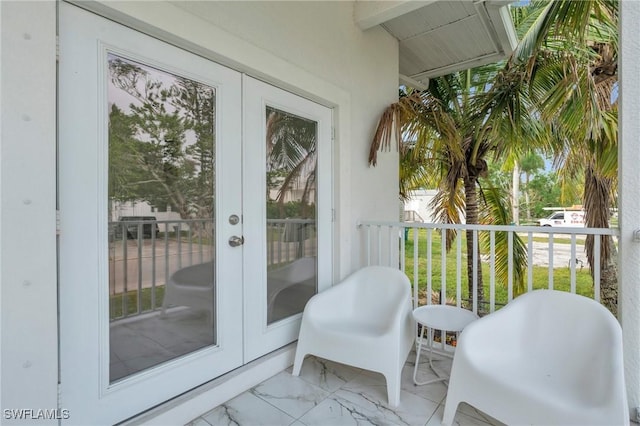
408, 81
368, 14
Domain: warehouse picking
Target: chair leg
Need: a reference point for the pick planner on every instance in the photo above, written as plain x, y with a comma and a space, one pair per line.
450, 408
393, 388
299, 359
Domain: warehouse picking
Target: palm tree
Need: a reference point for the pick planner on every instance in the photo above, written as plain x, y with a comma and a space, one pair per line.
447, 138
567, 61
557, 86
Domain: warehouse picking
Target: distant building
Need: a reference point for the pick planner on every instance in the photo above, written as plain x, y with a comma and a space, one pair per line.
418, 207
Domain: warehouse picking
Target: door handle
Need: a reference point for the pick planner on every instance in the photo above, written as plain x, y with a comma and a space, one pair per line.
236, 241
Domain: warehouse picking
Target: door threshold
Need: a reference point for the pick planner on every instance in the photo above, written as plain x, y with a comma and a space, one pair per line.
186, 407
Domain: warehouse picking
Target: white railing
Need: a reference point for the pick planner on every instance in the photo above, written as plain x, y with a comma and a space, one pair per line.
551, 263
143, 254
290, 239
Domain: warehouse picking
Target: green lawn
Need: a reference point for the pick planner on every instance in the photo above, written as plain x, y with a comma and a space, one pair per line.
562, 275
116, 302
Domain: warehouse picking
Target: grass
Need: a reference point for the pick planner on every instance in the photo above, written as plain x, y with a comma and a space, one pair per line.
579, 241
116, 302
561, 276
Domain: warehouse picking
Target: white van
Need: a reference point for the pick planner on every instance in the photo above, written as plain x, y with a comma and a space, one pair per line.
565, 218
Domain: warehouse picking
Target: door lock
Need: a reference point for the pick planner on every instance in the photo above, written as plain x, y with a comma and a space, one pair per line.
236, 241
234, 219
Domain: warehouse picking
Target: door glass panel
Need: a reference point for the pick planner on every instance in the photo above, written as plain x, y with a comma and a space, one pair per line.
291, 213
161, 211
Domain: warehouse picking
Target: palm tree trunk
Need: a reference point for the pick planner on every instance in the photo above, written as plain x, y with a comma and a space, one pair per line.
597, 203
471, 212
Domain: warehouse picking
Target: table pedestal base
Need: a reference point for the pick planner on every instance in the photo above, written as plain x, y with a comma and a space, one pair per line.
418, 351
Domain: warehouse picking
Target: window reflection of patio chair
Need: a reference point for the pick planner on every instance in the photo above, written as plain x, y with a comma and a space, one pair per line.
547, 358
192, 287
301, 271
365, 321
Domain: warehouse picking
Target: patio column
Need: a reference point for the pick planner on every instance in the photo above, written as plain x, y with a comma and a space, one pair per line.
28, 294
629, 199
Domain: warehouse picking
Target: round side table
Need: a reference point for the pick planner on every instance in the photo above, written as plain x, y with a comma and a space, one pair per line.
438, 317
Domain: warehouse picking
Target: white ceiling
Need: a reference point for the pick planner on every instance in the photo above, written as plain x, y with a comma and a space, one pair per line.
438, 37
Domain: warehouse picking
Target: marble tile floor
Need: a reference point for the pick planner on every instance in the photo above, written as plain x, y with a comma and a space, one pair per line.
332, 394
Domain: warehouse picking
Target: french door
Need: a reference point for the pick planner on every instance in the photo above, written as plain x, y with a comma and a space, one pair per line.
194, 214
286, 158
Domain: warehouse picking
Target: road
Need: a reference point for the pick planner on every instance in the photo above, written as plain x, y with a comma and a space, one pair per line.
561, 255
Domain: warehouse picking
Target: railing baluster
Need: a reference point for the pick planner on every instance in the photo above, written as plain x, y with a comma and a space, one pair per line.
415, 267
550, 248
402, 249
429, 267
153, 267
368, 245
597, 239
282, 240
391, 248
573, 263
474, 297
529, 261
140, 241
379, 245
443, 268
190, 237
492, 272
202, 226
125, 274
179, 237
510, 266
166, 255
458, 269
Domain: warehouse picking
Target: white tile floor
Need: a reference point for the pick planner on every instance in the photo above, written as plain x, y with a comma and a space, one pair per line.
331, 394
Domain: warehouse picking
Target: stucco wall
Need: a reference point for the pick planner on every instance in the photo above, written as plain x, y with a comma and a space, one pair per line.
28, 292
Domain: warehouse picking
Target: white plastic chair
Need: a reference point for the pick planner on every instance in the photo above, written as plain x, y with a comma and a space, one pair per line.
547, 358
365, 321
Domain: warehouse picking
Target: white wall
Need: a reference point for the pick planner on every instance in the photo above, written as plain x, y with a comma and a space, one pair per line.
629, 158
28, 294
313, 49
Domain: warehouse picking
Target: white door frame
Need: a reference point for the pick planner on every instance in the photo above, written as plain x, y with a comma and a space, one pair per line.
84, 335
85, 40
